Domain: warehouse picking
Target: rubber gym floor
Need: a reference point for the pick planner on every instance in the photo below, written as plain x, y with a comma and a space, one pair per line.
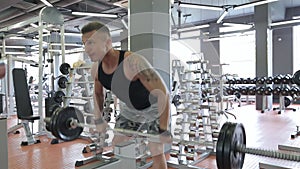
263, 130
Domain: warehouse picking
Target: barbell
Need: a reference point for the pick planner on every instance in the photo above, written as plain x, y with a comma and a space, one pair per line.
67, 124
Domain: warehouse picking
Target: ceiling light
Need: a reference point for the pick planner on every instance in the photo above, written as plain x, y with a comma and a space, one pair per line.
47, 3
14, 47
296, 17
15, 53
252, 4
66, 44
193, 28
200, 6
285, 22
95, 14
72, 34
238, 25
16, 37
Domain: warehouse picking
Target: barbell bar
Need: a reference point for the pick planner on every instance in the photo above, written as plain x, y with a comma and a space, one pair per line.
67, 124
231, 148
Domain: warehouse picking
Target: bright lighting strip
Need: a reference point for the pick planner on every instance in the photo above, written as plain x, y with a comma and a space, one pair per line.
66, 44
14, 47
296, 17
95, 14
252, 4
193, 28
47, 3
285, 22
200, 6
16, 38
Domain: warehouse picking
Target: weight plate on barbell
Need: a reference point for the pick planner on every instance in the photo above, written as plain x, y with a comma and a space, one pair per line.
233, 135
62, 125
220, 145
296, 77
53, 122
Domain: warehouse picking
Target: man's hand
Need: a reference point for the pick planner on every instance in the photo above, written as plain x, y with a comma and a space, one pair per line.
101, 125
165, 136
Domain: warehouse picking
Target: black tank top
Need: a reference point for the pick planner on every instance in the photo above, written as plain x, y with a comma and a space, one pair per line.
133, 93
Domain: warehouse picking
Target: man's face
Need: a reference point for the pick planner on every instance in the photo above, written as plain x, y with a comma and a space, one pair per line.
95, 44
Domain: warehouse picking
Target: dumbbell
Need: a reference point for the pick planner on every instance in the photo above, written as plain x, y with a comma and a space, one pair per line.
230, 90
259, 90
253, 81
294, 91
285, 91
268, 90
277, 79
276, 90
244, 90
287, 79
261, 80
246, 81
251, 90
269, 80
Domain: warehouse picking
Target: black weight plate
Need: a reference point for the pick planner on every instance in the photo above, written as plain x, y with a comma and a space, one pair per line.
296, 77
62, 82
64, 68
287, 101
64, 131
53, 125
235, 135
58, 96
220, 145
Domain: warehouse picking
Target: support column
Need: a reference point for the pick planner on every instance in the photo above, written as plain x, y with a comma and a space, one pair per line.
211, 49
3, 143
263, 38
149, 33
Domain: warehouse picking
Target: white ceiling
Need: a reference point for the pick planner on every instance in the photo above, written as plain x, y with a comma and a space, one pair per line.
15, 11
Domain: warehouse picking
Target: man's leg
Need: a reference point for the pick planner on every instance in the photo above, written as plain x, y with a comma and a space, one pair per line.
158, 156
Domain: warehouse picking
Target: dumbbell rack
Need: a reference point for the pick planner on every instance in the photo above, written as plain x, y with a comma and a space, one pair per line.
195, 123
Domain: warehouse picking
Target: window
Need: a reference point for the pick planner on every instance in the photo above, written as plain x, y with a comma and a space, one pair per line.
239, 52
296, 52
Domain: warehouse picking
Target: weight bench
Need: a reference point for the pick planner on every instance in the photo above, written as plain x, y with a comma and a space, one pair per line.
23, 105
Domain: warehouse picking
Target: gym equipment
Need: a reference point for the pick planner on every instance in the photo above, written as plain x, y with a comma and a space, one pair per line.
58, 96
296, 78
277, 79
67, 124
65, 68
261, 80
252, 90
287, 79
62, 82
269, 80
260, 90
268, 90
277, 90
231, 148
23, 104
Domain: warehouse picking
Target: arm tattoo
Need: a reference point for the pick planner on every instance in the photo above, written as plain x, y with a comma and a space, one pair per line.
141, 66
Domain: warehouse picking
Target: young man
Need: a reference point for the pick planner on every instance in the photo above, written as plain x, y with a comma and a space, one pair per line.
144, 99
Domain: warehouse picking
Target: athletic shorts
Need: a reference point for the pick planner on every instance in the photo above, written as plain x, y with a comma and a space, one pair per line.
138, 120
